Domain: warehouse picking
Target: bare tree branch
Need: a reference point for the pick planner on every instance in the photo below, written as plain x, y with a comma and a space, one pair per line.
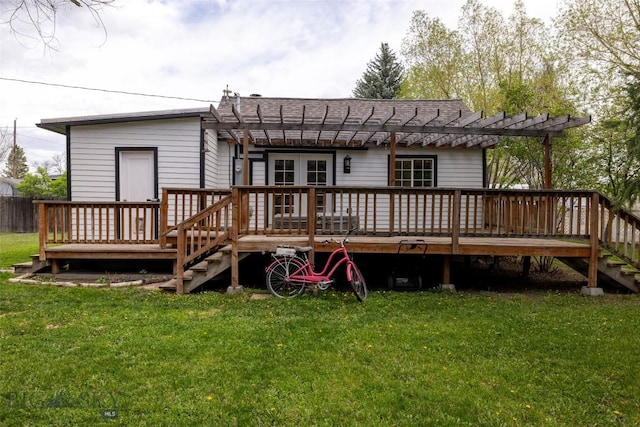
5, 144
36, 19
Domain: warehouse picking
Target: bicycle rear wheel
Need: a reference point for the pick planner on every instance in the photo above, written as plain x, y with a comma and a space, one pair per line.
277, 277
358, 284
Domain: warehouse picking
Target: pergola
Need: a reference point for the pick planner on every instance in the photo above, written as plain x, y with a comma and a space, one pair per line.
359, 123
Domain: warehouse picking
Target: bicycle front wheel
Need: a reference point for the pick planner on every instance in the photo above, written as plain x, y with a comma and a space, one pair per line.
278, 281
358, 284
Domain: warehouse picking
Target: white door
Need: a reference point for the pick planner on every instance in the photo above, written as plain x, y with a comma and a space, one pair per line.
299, 169
137, 184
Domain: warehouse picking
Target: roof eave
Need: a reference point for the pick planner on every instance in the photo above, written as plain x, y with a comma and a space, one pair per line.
59, 125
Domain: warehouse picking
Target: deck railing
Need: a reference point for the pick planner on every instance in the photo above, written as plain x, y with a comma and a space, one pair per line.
414, 211
64, 222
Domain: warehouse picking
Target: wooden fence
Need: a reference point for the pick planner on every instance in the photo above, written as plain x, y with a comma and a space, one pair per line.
18, 214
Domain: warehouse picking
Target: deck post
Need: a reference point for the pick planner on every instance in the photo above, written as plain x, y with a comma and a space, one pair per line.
455, 232
548, 181
235, 229
43, 229
245, 158
595, 244
392, 183
526, 266
446, 284
164, 218
312, 218
392, 160
180, 253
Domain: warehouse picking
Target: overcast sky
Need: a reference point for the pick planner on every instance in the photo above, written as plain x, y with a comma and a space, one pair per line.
195, 48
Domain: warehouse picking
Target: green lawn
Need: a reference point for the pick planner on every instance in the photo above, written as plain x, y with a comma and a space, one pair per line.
403, 359
17, 247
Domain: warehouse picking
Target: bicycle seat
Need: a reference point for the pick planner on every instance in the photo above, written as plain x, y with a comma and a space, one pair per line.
303, 249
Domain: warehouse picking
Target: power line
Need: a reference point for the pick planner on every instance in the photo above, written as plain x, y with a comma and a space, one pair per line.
105, 90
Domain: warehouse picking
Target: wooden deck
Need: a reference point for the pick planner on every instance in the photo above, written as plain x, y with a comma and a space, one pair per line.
189, 225
499, 246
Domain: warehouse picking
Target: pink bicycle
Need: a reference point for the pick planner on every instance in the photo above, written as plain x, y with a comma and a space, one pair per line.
291, 273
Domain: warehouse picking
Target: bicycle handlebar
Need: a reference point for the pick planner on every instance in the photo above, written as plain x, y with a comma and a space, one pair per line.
341, 242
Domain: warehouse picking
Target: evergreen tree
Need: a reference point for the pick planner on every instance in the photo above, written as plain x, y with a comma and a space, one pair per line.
16, 166
382, 78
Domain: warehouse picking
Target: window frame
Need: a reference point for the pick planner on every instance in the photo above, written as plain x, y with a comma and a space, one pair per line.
412, 157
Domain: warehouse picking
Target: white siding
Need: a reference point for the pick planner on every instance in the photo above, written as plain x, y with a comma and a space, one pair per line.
259, 173
461, 168
456, 168
225, 152
211, 159
93, 161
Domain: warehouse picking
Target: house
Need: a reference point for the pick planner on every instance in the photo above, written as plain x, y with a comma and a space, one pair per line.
130, 157
187, 185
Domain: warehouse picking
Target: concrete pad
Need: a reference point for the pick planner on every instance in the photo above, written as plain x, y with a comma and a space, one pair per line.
448, 287
592, 292
232, 290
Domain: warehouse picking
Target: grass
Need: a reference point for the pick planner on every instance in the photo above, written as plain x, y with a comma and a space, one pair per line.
75, 356
399, 359
17, 247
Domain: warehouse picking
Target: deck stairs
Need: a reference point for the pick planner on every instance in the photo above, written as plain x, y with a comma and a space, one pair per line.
32, 266
611, 271
619, 266
207, 269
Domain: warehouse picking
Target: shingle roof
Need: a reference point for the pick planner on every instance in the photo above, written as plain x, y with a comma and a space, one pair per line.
357, 122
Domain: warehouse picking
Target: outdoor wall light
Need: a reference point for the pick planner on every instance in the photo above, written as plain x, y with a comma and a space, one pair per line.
347, 164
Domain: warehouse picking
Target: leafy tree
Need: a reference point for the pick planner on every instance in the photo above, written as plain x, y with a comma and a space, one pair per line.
496, 64
604, 38
40, 184
435, 58
16, 166
382, 78
631, 191
36, 19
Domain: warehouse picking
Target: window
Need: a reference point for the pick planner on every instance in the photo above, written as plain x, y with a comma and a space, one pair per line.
284, 175
316, 176
415, 172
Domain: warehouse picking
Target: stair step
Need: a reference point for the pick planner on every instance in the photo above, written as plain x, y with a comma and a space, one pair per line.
217, 257
201, 266
614, 263
226, 249
188, 275
628, 272
27, 264
30, 266
170, 285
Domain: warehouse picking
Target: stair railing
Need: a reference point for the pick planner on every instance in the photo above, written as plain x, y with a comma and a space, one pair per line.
619, 232
200, 234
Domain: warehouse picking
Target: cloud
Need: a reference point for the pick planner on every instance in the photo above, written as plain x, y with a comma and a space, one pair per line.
194, 49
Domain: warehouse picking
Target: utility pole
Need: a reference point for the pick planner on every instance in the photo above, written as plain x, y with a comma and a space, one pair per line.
14, 166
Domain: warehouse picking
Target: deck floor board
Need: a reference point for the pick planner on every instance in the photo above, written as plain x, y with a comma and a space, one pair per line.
504, 246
